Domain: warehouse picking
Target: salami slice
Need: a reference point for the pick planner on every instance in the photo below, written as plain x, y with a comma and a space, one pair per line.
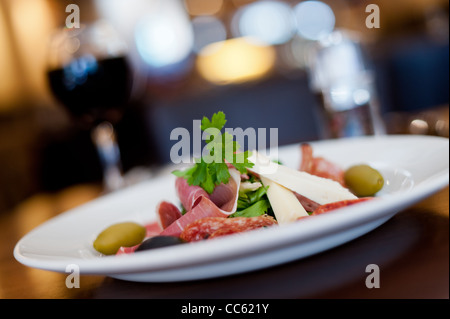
331, 206
213, 227
308, 204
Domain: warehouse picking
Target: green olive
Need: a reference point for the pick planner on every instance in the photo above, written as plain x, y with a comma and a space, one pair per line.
124, 234
363, 180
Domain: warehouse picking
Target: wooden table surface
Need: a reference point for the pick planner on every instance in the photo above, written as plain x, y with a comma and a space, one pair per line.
411, 251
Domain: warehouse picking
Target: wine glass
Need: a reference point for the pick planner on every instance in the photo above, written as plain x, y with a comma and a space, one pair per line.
89, 74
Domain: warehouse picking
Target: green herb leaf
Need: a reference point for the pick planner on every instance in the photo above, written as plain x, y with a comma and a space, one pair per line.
257, 209
218, 121
241, 162
219, 173
212, 169
257, 194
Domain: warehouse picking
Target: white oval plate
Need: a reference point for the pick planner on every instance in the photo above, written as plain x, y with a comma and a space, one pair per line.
414, 167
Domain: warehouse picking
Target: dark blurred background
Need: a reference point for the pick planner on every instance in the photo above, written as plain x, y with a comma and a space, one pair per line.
177, 78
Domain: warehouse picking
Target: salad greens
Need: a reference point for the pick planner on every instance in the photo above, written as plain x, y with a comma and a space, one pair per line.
252, 203
212, 169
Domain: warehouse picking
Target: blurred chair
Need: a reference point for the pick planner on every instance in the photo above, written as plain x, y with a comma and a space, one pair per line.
414, 74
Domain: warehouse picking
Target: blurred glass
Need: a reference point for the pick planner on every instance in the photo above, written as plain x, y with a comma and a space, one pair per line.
88, 73
344, 85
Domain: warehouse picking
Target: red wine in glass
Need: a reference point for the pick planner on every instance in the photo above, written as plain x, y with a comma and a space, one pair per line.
94, 88
94, 85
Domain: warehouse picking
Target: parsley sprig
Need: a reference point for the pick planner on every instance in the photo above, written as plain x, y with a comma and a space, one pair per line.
212, 169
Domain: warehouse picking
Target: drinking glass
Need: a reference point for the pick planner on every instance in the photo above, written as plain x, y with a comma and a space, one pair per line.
344, 84
88, 73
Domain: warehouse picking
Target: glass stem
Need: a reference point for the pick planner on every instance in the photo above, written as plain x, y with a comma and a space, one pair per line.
104, 139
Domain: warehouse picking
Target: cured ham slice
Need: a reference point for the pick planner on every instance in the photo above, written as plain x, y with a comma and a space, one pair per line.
203, 206
213, 227
152, 229
126, 250
167, 213
319, 166
223, 196
188, 194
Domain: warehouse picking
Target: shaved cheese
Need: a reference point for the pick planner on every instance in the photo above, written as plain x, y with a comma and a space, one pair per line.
248, 186
318, 189
285, 204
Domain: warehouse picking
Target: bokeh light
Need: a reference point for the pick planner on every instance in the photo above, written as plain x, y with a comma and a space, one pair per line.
235, 60
165, 37
315, 19
271, 22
